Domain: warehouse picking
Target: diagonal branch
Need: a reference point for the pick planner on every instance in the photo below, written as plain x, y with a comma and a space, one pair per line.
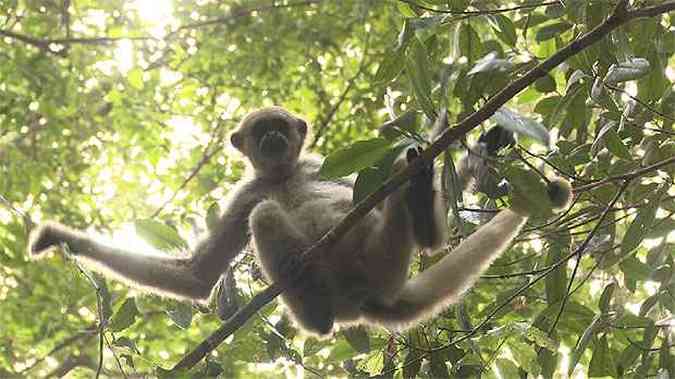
619, 16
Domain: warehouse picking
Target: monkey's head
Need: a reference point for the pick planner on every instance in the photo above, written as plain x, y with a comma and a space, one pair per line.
271, 138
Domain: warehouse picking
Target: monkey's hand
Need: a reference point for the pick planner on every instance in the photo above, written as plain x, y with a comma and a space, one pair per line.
420, 201
46, 237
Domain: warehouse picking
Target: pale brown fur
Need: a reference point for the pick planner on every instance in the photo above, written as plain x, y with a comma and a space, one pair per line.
363, 278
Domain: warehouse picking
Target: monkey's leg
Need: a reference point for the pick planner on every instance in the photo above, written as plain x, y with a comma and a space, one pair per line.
279, 245
432, 290
426, 206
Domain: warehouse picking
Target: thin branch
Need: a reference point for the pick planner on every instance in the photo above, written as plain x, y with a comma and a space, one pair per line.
480, 12
86, 334
639, 101
579, 251
619, 16
48, 44
211, 150
341, 99
629, 176
242, 13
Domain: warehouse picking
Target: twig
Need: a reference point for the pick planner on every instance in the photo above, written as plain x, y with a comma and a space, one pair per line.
341, 99
629, 176
579, 251
209, 152
481, 12
619, 16
48, 43
86, 334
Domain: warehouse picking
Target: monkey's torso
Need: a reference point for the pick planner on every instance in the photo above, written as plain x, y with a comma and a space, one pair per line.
314, 207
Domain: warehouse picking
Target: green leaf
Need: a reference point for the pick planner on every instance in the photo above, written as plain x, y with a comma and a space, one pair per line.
583, 342
540, 338
519, 124
371, 178
159, 235
633, 69
125, 316
561, 110
507, 369
466, 42
358, 338
412, 363
373, 364
390, 66
548, 361
616, 146
639, 227
400, 126
545, 84
437, 368
417, 68
490, 63
356, 157
602, 361
126, 344
180, 312
556, 282
606, 297
342, 351
551, 30
135, 78
503, 28
313, 346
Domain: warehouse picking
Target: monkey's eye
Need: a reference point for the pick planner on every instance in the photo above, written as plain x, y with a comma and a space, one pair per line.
273, 124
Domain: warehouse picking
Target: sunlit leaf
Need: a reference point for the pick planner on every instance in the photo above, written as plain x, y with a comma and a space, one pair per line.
521, 125
125, 316
159, 235
629, 70
353, 158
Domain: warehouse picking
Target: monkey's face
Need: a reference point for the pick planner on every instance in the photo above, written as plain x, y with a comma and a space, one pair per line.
271, 138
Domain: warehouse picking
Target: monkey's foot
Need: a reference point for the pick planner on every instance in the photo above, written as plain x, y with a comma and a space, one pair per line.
420, 201
422, 181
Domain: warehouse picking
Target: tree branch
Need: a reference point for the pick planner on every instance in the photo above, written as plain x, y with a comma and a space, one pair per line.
619, 16
627, 176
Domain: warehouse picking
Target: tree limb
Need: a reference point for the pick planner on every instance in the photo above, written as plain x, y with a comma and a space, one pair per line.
619, 16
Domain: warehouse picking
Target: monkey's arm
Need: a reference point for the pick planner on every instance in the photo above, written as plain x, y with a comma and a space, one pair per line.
191, 277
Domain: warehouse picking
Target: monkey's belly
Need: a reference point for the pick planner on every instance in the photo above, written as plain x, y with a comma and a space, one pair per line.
315, 218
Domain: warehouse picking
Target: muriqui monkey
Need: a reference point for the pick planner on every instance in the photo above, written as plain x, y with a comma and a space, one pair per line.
285, 206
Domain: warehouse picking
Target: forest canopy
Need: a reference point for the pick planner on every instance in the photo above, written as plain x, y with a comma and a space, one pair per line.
115, 117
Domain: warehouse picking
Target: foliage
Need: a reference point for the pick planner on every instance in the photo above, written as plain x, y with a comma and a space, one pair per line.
105, 103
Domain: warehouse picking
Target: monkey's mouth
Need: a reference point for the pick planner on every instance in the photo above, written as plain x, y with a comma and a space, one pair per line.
273, 143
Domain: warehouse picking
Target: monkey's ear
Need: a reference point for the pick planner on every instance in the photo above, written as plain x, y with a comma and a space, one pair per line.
237, 140
302, 127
